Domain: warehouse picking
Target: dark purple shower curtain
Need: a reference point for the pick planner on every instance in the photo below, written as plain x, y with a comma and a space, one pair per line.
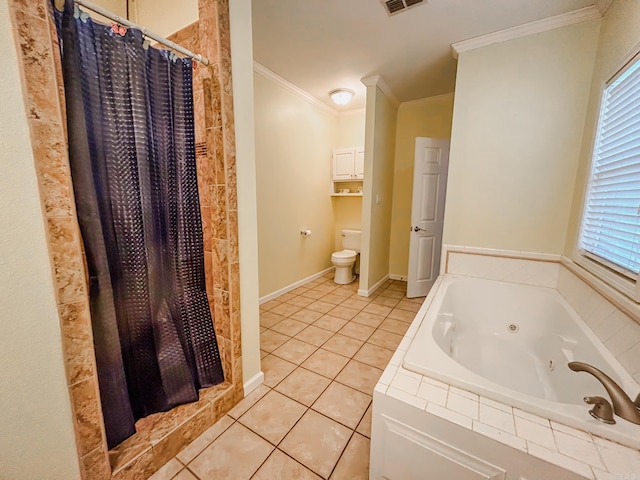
132, 156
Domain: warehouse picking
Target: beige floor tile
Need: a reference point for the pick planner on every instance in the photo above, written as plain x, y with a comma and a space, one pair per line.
316, 442
299, 301
354, 303
386, 301
392, 294
273, 416
418, 300
295, 351
377, 309
282, 467
289, 327
395, 326
326, 287
327, 364
364, 427
386, 339
307, 316
334, 298
330, 323
263, 354
247, 402
269, 319
398, 286
357, 330
285, 309
285, 297
199, 444
313, 294
342, 404
275, 369
345, 313
314, 335
373, 355
343, 345
270, 304
407, 305
320, 306
185, 475
303, 386
360, 376
236, 454
354, 463
168, 471
271, 340
404, 315
370, 319
346, 291
300, 290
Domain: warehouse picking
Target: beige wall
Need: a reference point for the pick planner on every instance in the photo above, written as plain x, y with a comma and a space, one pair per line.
242, 64
619, 38
294, 139
36, 429
518, 116
164, 17
428, 117
380, 139
350, 129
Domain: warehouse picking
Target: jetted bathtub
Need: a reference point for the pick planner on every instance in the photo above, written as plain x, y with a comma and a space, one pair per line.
512, 343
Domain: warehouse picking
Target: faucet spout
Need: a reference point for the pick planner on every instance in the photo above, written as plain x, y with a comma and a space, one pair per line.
623, 406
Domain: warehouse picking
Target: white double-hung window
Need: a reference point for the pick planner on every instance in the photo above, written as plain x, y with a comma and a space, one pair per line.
610, 230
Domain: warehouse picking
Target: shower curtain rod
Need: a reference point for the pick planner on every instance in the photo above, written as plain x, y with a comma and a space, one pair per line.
145, 32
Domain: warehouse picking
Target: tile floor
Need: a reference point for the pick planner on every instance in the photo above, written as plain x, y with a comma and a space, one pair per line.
323, 349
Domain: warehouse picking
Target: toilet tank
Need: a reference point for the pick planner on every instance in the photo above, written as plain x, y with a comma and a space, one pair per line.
351, 240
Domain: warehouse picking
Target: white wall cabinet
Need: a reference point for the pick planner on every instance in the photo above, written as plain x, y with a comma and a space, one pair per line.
347, 165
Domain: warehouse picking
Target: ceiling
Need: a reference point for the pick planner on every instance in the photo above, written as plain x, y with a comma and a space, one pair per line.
320, 45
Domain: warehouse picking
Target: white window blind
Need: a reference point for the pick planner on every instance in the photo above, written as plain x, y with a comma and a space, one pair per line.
611, 223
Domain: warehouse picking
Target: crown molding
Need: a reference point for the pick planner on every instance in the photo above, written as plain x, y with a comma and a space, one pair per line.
539, 26
287, 85
419, 101
378, 81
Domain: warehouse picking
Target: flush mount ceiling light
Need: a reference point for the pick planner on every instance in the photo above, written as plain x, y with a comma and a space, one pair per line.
341, 96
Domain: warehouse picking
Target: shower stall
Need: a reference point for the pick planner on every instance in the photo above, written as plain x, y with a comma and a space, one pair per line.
159, 436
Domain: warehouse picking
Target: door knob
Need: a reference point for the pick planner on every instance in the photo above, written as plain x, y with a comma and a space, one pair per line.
418, 229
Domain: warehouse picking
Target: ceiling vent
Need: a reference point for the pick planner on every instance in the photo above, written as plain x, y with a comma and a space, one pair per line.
396, 6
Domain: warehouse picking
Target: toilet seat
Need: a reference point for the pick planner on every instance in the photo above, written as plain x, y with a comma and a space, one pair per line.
344, 254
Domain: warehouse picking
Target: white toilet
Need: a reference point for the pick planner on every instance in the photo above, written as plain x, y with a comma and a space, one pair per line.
344, 260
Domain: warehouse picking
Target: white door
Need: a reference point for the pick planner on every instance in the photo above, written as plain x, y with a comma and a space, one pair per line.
427, 214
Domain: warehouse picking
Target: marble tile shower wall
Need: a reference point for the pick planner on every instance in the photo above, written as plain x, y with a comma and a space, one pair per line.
160, 436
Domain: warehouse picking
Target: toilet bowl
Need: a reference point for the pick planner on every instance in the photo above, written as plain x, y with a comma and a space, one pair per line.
344, 260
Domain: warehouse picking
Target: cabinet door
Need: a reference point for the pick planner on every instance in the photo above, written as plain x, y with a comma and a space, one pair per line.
359, 163
343, 161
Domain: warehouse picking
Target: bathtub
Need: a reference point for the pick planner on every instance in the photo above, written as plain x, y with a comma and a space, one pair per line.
512, 343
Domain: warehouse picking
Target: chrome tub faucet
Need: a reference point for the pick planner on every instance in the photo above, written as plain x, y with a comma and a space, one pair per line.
623, 406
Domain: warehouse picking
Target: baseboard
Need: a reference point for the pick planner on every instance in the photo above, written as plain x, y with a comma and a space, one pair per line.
396, 276
370, 291
253, 383
293, 286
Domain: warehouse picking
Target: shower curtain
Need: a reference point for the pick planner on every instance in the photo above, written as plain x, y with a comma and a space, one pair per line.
132, 156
